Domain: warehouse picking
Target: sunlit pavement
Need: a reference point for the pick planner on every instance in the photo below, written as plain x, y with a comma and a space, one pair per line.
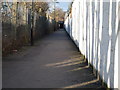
53, 62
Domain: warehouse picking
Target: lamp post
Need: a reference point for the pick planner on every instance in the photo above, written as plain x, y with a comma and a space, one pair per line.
32, 25
55, 14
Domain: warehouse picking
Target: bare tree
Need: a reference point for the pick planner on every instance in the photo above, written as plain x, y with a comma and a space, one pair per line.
41, 7
58, 14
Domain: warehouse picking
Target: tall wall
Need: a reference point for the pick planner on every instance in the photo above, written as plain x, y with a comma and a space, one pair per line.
119, 49
94, 28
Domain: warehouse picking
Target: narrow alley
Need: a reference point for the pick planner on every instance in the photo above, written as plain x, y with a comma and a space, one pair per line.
60, 44
53, 62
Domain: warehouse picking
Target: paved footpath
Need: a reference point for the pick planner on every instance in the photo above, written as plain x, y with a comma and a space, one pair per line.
53, 62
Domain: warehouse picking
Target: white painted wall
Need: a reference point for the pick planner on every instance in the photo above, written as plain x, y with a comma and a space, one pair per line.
119, 46
94, 28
